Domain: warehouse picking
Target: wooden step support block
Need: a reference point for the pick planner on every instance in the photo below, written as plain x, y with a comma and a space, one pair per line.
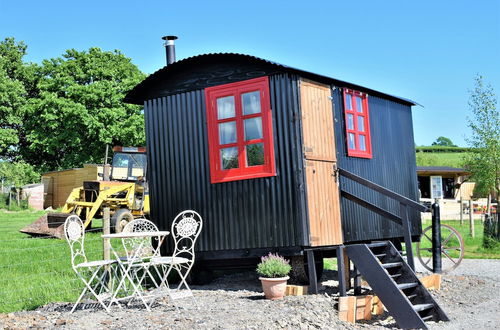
296, 290
377, 306
355, 308
431, 282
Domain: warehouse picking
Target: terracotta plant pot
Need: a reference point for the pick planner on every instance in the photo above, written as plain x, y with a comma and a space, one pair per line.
274, 288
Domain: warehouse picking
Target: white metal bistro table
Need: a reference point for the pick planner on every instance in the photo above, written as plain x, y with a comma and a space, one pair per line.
127, 264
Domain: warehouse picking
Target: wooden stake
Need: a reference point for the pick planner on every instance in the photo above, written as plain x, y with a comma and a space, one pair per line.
471, 221
461, 212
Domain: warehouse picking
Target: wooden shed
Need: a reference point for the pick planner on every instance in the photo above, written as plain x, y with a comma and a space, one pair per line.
255, 147
57, 185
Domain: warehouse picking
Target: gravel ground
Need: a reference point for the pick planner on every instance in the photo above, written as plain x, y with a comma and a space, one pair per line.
470, 296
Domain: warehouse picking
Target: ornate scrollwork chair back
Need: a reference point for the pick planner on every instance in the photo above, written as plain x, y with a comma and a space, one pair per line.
74, 231
185, 230
145, 245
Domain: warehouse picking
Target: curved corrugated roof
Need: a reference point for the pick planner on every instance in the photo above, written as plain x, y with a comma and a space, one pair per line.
137, 94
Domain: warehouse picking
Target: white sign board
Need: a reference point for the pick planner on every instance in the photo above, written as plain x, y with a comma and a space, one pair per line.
436, 187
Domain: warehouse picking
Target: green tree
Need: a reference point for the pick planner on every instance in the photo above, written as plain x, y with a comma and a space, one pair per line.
443, 142
17, 174
17, 85
484, 158
79, 110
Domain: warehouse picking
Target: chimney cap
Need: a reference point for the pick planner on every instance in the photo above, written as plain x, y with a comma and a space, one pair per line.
169, 37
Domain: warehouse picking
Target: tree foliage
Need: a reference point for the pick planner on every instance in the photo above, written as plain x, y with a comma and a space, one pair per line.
443, 142
17, 174
80, 109
17, 85
62, 113
484, 159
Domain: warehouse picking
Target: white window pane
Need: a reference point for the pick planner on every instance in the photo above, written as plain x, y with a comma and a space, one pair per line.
362, 142
255, 154
361, 124
348, 102
251, 102
359, 104
227, 132
229, 158
253, 128
351, 143
225, 107
350, 121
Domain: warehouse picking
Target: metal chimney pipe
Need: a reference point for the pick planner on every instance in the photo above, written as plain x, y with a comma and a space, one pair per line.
170, 48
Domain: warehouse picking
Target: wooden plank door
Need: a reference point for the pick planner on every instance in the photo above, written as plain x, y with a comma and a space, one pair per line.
323, 197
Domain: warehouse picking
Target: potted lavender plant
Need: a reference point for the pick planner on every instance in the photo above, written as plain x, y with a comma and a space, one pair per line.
274, 271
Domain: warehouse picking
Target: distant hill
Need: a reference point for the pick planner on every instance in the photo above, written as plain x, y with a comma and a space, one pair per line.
441, 156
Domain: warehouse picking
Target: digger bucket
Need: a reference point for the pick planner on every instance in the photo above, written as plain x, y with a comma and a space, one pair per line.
50, 224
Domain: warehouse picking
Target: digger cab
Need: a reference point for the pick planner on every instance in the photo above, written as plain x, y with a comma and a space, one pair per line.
129, 164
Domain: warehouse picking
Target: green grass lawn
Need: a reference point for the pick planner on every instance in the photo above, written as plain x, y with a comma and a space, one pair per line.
36, 271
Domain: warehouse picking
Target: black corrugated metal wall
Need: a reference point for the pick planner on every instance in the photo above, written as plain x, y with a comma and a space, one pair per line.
256, 213
392, 166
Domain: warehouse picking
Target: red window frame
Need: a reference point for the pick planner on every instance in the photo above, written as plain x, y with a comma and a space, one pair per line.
217, 174
356, 130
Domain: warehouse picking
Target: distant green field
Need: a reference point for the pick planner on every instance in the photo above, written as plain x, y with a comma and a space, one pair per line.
452, 159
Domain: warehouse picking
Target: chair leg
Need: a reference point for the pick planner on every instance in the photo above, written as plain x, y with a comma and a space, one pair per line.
88, 287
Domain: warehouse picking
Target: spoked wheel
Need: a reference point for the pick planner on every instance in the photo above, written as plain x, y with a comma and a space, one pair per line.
452, 248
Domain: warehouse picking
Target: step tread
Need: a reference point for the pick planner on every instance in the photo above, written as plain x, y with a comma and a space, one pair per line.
377, 244
411, 296
404, 286
395, 275
428, 317
422, 307
380, 255
392, 264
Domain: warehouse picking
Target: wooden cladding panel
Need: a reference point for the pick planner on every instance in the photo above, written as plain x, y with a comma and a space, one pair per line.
317, 121
324, 204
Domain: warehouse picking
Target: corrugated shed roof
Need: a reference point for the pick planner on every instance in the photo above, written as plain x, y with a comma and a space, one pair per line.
441, 169
136, 95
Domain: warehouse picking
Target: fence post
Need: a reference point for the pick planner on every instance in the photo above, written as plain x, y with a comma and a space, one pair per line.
461, 212
106, 230
489, 228
436, 238
498, 223
471, 221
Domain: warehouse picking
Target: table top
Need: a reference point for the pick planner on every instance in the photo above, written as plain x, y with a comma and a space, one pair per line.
137, 234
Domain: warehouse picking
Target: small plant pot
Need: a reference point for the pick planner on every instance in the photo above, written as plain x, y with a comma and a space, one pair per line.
274, 288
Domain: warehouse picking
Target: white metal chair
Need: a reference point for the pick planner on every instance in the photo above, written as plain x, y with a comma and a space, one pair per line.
185, 230
147, 250
93, 274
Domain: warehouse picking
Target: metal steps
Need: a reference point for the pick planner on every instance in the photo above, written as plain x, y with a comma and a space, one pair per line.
395, 283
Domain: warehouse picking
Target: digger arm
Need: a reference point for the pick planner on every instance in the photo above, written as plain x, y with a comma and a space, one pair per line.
104, 195
69, 206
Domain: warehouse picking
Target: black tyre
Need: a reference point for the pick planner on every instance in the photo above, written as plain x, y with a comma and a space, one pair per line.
120, 219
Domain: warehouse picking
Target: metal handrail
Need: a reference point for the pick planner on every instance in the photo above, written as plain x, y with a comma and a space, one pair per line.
383, 190
404, 203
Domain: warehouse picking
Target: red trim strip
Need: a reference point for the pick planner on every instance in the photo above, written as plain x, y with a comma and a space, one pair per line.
217, 174
357, 152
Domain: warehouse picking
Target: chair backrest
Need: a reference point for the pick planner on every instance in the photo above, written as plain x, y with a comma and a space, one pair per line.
74, 231
139, 247
186, 228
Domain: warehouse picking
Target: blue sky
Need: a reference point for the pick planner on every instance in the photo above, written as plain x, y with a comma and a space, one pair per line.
428, 51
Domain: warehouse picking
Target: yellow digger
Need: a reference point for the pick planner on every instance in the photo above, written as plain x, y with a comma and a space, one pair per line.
125, 192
